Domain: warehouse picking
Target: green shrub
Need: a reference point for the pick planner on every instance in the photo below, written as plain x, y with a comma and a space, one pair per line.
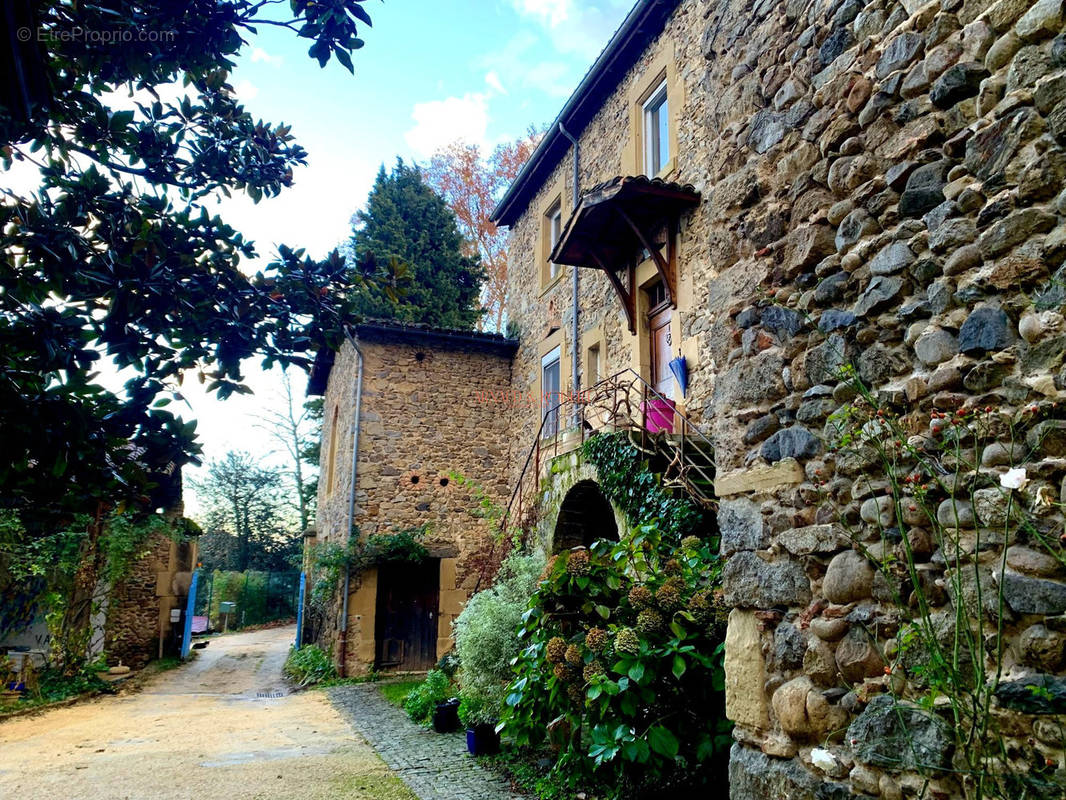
476, 710
309, 665
486, 634
621, 666
420, 701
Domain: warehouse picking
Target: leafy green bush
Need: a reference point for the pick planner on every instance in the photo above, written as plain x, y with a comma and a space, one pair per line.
621, 666
309, 665
486, 635
420, 701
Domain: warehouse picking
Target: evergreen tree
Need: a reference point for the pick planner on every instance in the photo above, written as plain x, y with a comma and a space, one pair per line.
406, 220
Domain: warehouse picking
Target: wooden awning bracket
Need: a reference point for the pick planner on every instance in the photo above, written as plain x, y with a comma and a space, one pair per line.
624, 294
664, 266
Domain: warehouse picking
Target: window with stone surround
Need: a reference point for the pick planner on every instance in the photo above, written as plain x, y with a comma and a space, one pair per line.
551, 229
656, 126
551, 386
655, 99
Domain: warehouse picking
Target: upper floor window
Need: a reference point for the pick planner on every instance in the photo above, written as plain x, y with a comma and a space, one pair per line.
656, 111
554, 219
550, 389
331, 463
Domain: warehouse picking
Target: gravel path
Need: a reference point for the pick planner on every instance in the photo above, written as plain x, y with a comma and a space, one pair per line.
222, 727
435, 766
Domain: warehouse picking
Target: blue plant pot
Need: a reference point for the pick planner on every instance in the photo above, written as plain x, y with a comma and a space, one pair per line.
482, 740
446, 716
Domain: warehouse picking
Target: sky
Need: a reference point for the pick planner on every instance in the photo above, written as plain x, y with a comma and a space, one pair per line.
430, 72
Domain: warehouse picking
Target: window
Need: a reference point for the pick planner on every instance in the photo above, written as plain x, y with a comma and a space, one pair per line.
555, 229
593, 369
551, 395
331, 470
656, 294
656, 132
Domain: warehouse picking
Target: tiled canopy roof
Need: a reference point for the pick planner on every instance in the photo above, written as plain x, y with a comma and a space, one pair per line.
598, 232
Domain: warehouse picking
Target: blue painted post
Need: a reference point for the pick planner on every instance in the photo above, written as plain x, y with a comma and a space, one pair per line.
300, 611
190, 609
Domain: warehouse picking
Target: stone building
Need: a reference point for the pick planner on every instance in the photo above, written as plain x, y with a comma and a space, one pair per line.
430, 447
138, 618
795, 196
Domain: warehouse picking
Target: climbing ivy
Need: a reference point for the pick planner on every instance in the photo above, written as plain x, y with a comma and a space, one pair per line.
328, 561
627, 480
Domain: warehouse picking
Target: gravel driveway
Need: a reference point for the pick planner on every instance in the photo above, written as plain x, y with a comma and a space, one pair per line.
222, 727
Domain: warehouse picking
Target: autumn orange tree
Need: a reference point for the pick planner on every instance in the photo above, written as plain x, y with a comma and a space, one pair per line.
471, 183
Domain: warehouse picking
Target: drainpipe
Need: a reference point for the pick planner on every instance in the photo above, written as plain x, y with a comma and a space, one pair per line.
357, 401
574, 349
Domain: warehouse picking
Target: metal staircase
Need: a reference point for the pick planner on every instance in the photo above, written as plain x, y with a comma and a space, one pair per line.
676, 448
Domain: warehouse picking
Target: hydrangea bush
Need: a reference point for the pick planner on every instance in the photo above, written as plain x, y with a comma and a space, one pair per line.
621, 664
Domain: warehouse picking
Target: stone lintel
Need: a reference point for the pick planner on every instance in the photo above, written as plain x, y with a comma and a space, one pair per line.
762, 478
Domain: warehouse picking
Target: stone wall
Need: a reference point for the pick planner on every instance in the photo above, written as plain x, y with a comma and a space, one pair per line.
882, 188
139, 606
426, 415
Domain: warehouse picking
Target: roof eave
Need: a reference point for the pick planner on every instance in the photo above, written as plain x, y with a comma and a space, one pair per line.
645, 20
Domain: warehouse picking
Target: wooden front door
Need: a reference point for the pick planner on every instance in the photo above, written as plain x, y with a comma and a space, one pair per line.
406, 620
659, 326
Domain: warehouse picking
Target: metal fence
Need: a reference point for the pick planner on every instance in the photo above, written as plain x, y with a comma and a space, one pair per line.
234, 600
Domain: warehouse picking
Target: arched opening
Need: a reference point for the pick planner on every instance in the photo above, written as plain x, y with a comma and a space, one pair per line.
585, 516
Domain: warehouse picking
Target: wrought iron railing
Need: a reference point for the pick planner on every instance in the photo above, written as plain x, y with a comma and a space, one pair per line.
622, 402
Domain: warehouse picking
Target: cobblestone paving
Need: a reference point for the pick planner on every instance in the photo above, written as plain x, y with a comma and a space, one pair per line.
436, 766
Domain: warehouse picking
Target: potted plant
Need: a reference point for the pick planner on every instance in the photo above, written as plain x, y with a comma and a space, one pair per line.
480, 718
446, 716
432, 702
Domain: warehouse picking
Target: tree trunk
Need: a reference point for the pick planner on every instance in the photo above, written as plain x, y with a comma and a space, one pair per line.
72, 645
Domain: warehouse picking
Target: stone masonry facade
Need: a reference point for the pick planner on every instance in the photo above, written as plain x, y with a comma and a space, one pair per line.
882, 189
139, 606
421, 426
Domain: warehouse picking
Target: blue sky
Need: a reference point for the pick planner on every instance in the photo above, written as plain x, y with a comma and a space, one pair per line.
481, 70
431, 72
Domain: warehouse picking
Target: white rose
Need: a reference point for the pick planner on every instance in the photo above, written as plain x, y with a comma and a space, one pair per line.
823, 759
1013, 478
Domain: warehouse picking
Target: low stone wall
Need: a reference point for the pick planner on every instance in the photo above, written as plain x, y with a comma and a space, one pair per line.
139, 606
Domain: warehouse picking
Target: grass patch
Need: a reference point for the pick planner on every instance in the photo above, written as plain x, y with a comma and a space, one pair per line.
397, 692
371, 786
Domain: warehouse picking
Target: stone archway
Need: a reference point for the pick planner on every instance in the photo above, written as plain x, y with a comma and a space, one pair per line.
584, 516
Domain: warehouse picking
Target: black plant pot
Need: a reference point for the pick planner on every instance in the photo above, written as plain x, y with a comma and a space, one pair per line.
482, 740
446, 716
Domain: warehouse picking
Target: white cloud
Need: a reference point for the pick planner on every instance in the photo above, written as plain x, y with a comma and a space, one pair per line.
520, 62
551, 77
574, 26
552, 12
439, 122
494, 82
245, 90
259, 54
